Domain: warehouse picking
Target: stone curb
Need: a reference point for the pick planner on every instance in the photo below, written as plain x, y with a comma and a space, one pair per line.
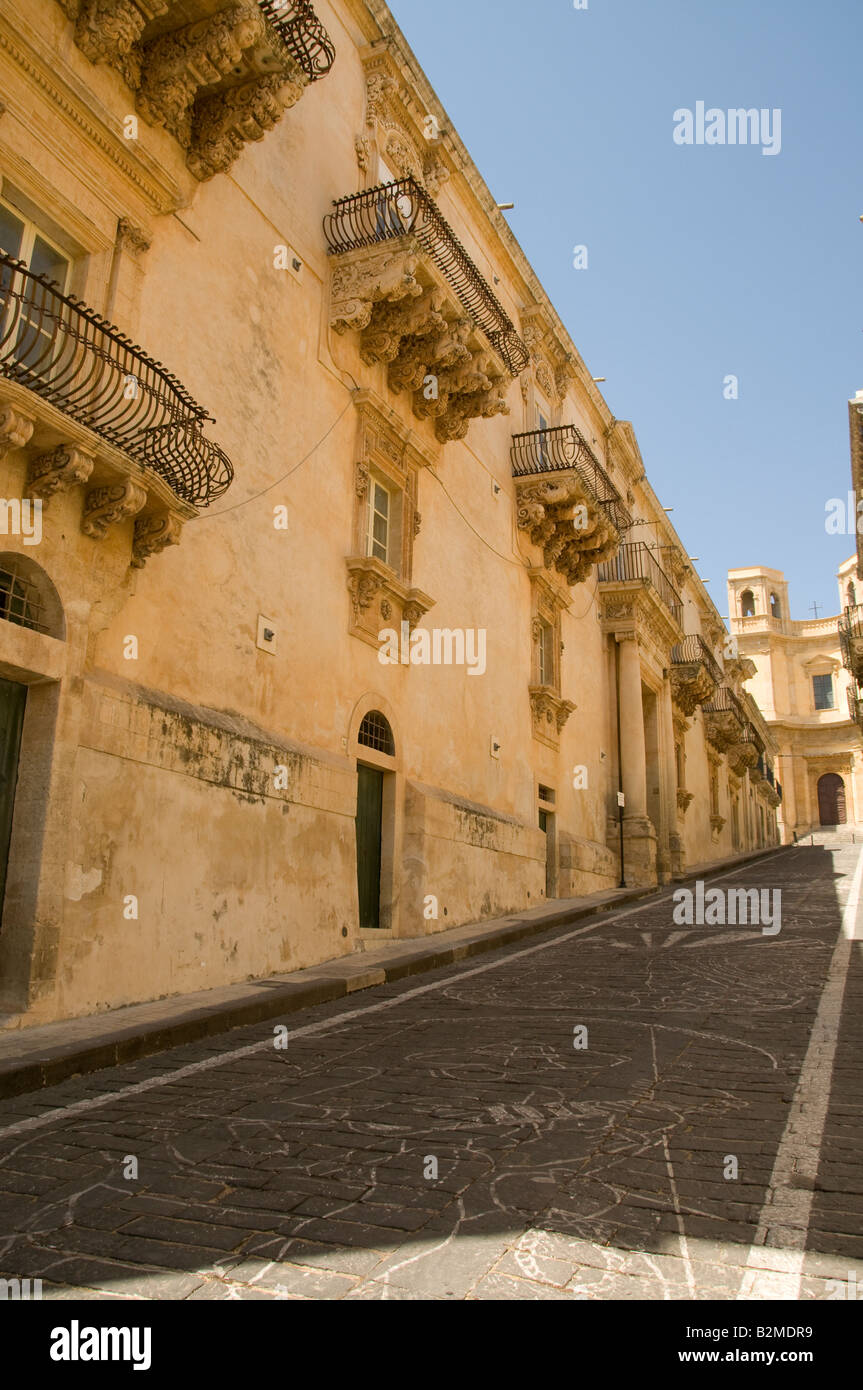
42, 1064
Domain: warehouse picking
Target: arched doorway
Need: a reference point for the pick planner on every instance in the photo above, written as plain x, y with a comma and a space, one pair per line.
831, 799
376, 749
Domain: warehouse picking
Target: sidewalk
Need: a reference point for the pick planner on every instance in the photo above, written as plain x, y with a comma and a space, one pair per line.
31, 1058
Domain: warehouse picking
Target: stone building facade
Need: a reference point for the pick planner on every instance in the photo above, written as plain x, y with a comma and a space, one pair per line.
807, 696
345, 662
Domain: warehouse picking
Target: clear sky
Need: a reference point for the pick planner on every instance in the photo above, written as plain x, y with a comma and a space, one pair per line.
704, 261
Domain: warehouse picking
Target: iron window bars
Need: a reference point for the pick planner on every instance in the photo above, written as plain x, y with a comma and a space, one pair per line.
63, 351
20, 599
303, 35
562, 447
403, 208
636, 561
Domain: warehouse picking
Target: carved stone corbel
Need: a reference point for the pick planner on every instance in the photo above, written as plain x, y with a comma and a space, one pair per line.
110, 505
63, 468
15, 429
152, 534
226, 121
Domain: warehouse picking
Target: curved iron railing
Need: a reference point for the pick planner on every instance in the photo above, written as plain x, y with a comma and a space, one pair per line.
724, 701
636, 561
850, 629
303, 35
64, 352
693, 649
403, 208
564, 446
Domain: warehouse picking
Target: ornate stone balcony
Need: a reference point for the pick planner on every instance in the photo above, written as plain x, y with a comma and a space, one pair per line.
725, 721
745, 754
855, 707
214, 75
566, 501
403, 280
93, 410
695, 673
851, 640
635, 567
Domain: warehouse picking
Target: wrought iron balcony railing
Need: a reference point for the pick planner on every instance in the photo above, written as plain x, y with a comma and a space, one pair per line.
693, 650
850, 631
636, 562
724, 701
855, 706
778, 790
61, 350
303, 35
563, 447
403, 208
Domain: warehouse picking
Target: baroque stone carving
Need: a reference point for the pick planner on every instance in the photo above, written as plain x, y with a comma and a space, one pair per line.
552, 511
107, 506
550, 713
15, 429
58, 471
691, 685
131, 238
684, 799
153, 534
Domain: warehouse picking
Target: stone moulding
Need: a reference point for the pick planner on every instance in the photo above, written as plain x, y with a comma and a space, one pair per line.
563, 518
62, 456
550, 713
214, 83
411, 321
375, 591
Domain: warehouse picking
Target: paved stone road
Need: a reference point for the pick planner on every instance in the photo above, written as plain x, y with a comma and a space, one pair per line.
561, 1173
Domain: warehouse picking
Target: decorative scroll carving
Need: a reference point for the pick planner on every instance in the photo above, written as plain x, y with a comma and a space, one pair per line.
359, 283
691, 685
58, 471
363, 586
684, 799
131, 238
560, 516
107, 506
108, 31
15, 429
225, 122
153, 534
550, 713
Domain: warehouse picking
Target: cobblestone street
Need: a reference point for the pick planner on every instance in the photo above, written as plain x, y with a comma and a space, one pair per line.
449, 1139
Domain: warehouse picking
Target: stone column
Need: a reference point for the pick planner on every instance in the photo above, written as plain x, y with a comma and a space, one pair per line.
632, 747
669, 782
638, 830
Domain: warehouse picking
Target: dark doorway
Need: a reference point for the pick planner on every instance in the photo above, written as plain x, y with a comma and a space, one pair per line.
370, 800
831, 799
13, 699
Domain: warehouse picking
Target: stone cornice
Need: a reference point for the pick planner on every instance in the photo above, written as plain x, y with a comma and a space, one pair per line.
81, 109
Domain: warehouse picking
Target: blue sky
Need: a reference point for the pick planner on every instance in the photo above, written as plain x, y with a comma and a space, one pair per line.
704, 261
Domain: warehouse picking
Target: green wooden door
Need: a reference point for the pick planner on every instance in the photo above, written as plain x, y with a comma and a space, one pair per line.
370, 800
12, 701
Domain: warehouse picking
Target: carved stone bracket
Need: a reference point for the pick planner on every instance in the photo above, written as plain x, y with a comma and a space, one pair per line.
550, 713
723, 729
59, 470
214, 84
717, 824
152, 534
691, 685
684, 799
110, 505
742, 756
16, 429
411, 322
372, 586
561, 517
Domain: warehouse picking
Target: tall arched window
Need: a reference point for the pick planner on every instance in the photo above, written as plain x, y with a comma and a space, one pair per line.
851, 596
747, 604
775, 607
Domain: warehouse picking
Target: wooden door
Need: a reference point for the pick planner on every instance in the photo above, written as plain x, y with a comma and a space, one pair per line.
13, 699
370, 797
831, 799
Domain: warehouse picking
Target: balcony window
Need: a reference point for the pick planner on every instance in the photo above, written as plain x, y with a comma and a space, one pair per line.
747, 604
23, 240
546, 654
379, 522
822, 687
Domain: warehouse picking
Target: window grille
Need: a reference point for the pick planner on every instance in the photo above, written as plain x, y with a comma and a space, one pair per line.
376, 733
